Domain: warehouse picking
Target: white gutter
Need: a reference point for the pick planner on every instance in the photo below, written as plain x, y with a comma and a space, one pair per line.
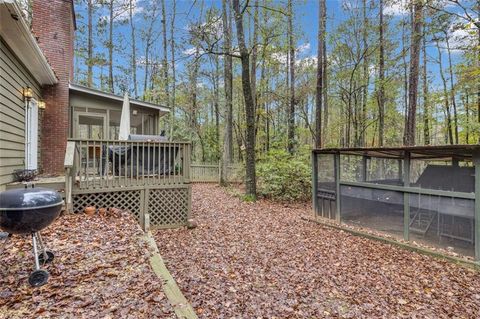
15, 31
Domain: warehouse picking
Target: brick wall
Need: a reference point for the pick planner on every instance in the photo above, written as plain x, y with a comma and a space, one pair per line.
53, 26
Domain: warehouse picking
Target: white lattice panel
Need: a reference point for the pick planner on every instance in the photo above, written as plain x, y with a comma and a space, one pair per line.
168, 207
126, 200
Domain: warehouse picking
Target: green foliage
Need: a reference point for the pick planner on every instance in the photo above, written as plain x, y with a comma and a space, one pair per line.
284, 177
248, 198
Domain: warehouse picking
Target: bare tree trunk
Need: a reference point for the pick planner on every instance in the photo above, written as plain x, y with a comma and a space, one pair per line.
445, 96
253, 61
291, 109
366, 75
250, 178
172, 49
134, 49
325, 85
148, 44
262, 115
320, 80
216, 85
413, 74
90, 44
381, 80
165, 55
228, 86
193, 92
147, 65
110, 48
452, 88
426, 111
467, 118
405, 76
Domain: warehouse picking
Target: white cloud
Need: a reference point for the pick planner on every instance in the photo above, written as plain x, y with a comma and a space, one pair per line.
303, 48
192, 51
280, 57
461, 36
397, 8
307, 62
121, 10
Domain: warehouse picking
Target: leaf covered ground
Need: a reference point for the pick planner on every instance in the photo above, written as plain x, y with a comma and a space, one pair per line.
261, 260
101, 270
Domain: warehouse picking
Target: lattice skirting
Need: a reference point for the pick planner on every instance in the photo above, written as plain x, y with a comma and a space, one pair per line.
166, 207
130, 200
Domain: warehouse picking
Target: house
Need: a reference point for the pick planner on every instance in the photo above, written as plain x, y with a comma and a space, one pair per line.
69, 133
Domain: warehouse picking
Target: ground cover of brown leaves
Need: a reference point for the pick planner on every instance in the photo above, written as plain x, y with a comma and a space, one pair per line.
101, 270
261, 260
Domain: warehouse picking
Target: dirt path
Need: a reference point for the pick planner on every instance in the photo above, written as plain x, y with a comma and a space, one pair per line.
262, 261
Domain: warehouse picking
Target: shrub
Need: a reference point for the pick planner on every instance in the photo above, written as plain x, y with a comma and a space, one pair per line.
284, 177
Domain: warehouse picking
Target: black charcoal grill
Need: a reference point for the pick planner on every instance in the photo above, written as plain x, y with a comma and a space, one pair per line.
28, 211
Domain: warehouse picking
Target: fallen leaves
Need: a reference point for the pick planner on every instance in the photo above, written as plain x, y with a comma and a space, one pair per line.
261, 260
101, 270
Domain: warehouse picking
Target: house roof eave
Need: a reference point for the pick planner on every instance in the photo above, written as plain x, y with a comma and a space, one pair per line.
16, 33
110, 96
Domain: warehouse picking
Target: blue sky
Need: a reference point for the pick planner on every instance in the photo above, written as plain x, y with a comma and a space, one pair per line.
306, 21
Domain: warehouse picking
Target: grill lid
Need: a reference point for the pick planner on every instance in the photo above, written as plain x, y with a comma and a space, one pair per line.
29, 198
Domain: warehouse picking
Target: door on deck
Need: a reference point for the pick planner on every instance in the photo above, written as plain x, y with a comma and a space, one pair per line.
90, 126
326, 194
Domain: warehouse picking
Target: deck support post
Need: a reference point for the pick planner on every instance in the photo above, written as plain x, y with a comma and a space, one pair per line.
406, 196
364, 168
314, 183
68, 191
145, 215
337, 188
400, 170
476, 161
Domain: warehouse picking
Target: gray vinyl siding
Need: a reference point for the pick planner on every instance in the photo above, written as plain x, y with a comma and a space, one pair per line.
13, 78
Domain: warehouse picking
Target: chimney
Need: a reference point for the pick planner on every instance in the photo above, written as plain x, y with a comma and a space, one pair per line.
53, 24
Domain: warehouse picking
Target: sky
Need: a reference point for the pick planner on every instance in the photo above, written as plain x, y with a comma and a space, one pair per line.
306, 22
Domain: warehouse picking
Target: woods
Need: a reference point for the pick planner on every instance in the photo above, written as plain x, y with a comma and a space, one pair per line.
247, 78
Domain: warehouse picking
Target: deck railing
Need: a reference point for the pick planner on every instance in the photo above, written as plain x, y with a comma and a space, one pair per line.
110, 164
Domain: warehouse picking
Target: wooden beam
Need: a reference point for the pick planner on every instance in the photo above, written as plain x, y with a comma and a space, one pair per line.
180, 304
476, 160
406, 197
337, 188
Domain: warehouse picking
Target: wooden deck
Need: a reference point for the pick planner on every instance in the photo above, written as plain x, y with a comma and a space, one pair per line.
149, 179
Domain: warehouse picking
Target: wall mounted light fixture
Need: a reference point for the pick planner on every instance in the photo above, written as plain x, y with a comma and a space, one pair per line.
27, 93
41, 104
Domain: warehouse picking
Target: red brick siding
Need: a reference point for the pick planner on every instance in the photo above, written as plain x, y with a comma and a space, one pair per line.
52, 24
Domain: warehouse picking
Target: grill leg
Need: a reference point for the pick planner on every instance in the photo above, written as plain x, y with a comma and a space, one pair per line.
35, 252
42, 246
45, 256
39, 276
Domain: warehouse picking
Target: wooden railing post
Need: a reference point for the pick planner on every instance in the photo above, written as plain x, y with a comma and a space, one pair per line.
186, 163
69, 166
